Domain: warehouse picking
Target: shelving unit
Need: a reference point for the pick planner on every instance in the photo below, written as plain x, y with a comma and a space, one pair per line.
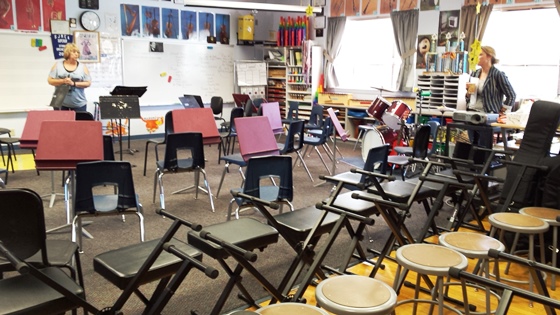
276, 87
446, 90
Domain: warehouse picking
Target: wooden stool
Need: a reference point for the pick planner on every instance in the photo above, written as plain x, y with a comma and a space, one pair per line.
548, 215
290, 308
519, 224
351, 294
429, 260
476, 246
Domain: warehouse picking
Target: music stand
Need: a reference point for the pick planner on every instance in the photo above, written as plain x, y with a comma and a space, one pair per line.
129, 90
120, 107
197, 98
240, 99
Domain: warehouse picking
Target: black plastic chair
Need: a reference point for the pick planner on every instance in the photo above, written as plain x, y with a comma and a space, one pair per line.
272, 167
315, 142
168, 123
315, 118
293, 112
228, 138
419, 151
84, 116
217, 105
118, 199
174, 163
249, 108
22, 235
108, 151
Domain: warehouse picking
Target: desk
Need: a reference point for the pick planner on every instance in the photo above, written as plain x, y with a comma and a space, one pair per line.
255, 137
62, 145
197, 120
30, 135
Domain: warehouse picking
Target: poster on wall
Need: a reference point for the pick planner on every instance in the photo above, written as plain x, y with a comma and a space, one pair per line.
59, 41
337, 8
369, 7
427, 5
151, 26
387, 6
28, 15
53, 10
408, 5
421, 50
222, 23
205, 25
130, 24
189, 25
448, 27
6, 14
352, 7
171, 19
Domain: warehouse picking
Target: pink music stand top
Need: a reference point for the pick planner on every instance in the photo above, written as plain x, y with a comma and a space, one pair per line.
337, 126
272, 111
255, 137
196, 120
63, 144
30, 134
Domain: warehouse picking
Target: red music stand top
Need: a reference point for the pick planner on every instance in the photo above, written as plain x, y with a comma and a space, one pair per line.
337, 126
255, 137
272, 111
30, 134
196, 120
63, 144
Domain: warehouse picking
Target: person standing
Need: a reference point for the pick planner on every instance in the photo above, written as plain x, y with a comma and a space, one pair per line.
492, 87
69, 71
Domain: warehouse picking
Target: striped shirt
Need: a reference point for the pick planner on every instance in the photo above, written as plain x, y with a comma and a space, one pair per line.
496, 87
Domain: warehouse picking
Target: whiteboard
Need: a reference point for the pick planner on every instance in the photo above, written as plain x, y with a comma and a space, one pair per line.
182, 68
250, 73
24, 71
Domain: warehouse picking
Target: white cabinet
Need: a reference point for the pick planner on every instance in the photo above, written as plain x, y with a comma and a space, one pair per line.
446, 91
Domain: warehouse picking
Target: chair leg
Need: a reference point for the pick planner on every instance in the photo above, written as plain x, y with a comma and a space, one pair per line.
141, 222
323, 160
358, 139
146, 157
300, 157
208, 189
226, 169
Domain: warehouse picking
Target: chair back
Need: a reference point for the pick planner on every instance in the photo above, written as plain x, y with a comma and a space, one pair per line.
266, 166
217, 105
235, 113
294, 139
376, 161
191, 141
293, 110
108, 151
315, 117
104, 173
22, 223
248, 109
434, 128
81, 115
168, 122
421, 141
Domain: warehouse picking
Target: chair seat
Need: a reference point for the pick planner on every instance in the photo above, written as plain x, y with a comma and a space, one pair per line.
22, 293
472, 245
400, 191
182, 164
236, 159
403, 150
362, 207
518, 223
119, 266
290, 308
300, 222
430, 259
398, 159
246, 233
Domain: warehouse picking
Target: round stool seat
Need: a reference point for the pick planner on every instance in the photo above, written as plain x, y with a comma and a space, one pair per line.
518, 223
351, 294
472, 245
290, 308
243, 313
430, 259
546, 214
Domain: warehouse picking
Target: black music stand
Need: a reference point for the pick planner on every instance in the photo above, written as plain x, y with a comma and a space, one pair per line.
130, 90
120, 107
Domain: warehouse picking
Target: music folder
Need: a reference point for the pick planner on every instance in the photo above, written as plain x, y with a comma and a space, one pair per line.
119, 107
189, 101
59, 95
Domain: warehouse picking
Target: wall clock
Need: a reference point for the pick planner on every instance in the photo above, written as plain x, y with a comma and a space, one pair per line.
90, 21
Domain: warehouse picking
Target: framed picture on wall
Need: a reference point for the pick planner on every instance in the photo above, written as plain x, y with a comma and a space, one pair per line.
88, 44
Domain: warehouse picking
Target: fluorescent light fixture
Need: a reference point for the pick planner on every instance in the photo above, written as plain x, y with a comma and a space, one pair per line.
248, 5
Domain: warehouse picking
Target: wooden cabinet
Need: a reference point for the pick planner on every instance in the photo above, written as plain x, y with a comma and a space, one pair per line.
276, 83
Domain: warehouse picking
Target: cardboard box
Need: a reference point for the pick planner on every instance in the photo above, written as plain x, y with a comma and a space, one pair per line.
334, 98
246, 27
277, 73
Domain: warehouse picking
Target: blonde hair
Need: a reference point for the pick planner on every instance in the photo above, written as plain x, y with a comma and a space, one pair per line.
492, 53
70, 48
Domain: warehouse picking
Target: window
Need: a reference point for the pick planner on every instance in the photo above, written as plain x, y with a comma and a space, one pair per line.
368, 58
528, 50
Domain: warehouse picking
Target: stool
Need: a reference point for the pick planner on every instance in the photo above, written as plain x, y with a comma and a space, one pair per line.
242, 313
519, 224
429, 260
361, 133
352, 294
476, 246
548, 215
290, 308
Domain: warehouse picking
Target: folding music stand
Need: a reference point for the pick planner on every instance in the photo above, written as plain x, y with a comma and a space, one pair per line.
120, 107
197, 98
240, 99
197, 120
255, 137
129, 90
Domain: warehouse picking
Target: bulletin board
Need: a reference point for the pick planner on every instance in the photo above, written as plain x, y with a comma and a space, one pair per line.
182, 68
24, 70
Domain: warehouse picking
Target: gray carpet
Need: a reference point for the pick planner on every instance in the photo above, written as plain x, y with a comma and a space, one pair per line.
197, 291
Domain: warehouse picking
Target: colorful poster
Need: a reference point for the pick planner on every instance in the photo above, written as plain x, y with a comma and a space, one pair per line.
387, 6
53, 10
352, 7
151, 26
6, 14
408, 5
337, 8
222, 23
59, 41
130, 26
28, 15
189, 29
424, 42
448, 24
171, 19
369, 7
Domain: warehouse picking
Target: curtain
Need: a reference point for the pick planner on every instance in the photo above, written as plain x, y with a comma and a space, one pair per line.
405, 29
334, 37
557, 4
468, 23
